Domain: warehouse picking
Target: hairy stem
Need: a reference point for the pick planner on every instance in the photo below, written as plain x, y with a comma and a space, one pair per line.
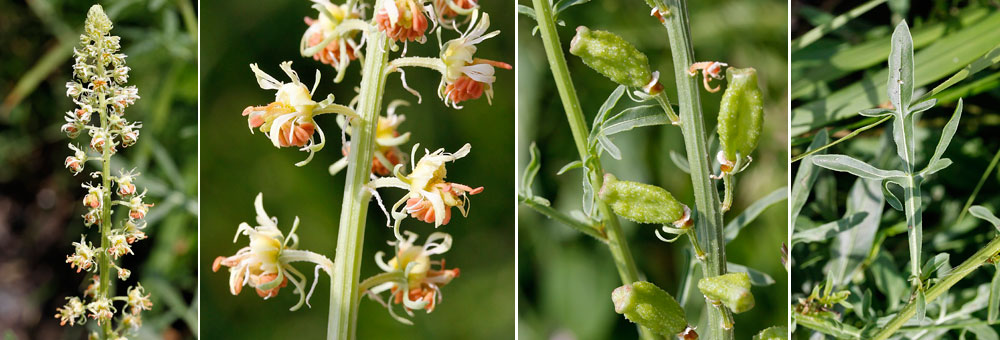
106, 262
571, 105
946, 282
350, 238
707, 215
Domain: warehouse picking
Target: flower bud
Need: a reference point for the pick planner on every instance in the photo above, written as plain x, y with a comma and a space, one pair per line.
641, 203
740, 114
732, 290
772, 333
649, 306
615, 58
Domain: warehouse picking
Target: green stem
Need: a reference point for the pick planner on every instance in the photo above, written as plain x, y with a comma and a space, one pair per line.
946, 282
707, 215
574, 114
350, 238
106, 262
591, 230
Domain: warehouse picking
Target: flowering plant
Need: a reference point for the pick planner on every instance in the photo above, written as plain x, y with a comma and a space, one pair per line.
376, 36
101, 96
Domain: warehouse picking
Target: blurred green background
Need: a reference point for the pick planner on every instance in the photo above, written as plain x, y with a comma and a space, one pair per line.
40, 200
844, 71
236, 165
566, 278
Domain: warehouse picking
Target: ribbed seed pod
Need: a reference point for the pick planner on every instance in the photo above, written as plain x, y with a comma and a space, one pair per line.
741, 113
615, 58
732, 290
641, 203
649, 306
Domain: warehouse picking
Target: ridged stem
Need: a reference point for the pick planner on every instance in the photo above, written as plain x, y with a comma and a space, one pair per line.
707, 214
105, 264
574, 114
350, 238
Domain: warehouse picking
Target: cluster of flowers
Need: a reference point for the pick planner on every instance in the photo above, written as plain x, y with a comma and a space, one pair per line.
336, 38
99, 90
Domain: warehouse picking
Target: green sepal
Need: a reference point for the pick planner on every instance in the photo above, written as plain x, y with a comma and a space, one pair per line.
732, 290
649, 306
741, 113
641, 203
612, 56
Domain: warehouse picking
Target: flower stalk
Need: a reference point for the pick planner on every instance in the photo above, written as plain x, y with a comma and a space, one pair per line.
708, 213
574, 114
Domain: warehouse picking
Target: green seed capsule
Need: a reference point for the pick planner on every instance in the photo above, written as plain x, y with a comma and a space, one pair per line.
641, 203
773, 333
615, 58
649, 306
740, 113
732, 290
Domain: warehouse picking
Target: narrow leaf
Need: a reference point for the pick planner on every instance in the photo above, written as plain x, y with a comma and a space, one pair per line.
946, 135
528, 11
609, 104
805, 178
890, 196
933, 264
850, 248
922, 106
530, 171
609, 146
562, 5
900, 84
876, 112
733, 228
588, 192
757, 278
680, 161
933, 168
921, 307
828, 230
570, 166
633, 117
854, 166
985, 214
602, 114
